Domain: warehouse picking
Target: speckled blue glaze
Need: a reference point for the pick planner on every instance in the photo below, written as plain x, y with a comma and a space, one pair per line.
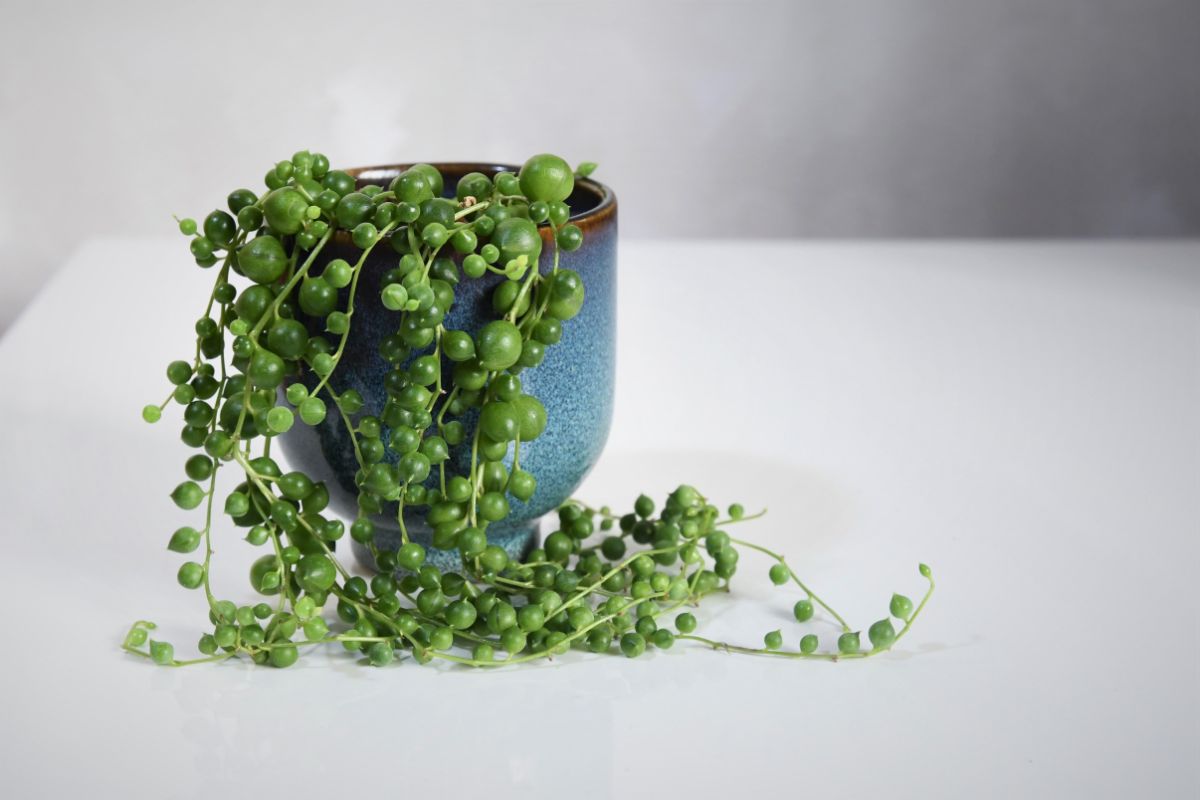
575, 382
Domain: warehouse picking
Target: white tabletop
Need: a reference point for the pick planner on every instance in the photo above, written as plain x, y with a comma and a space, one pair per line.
1023, 417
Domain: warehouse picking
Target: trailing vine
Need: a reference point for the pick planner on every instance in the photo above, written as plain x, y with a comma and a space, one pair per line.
600, 582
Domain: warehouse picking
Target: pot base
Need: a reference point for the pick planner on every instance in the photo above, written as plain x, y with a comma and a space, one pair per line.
517, 540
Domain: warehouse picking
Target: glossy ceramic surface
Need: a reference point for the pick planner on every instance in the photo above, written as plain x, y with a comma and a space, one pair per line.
1025, 416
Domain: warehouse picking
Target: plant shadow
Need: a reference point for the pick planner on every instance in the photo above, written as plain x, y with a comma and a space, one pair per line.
814, 509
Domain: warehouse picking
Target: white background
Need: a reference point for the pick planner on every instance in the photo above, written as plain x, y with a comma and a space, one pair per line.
1023, 416
755, 118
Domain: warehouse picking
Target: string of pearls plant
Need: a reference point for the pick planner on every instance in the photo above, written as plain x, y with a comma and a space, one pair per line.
602, 582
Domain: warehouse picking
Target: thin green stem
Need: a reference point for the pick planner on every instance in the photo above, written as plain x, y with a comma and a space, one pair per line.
471, 209
812, 595
208, 551
268, 495
337, 402
762, 651
908, 623
358, 268
286, 291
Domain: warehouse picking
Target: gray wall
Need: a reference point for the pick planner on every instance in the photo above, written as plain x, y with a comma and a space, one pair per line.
803, 118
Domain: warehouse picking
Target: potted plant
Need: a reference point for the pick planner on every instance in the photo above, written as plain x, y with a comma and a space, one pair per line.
432, 345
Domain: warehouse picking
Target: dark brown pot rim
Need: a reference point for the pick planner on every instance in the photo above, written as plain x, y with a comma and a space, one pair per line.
600, 201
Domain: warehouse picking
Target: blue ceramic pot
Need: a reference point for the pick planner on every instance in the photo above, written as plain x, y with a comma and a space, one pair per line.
575, 382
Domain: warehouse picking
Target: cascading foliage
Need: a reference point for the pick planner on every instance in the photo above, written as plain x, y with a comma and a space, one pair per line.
602, 582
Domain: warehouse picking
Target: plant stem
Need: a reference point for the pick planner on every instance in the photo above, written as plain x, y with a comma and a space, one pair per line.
795, 577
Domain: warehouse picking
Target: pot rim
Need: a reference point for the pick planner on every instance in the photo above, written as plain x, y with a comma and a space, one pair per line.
605, 199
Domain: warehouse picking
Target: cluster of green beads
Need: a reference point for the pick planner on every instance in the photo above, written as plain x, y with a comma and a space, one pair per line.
601, 582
